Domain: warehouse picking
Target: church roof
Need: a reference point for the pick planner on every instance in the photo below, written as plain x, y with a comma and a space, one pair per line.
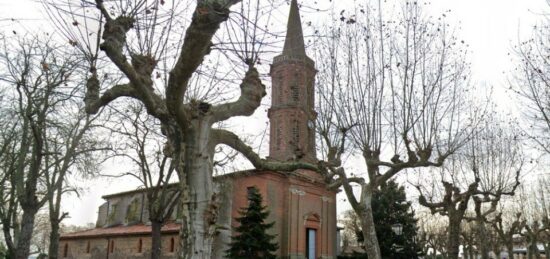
294, 41
236, 174
139, 229
137, 190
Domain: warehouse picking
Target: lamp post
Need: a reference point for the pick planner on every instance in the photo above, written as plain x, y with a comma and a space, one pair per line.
397, 229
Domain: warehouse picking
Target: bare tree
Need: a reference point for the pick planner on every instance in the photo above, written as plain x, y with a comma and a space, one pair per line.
8, 199
534, 211
470, 238
532, 84
143, 141
136, 38
432, 234
37, 76
391, 91
351, 227
48, 134
488, 170
507, 229
533, 232
71, 149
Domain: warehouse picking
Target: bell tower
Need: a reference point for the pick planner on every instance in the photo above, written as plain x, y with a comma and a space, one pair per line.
292, 115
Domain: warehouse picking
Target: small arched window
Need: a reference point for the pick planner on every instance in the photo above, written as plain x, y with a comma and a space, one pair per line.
140, 245
88, 247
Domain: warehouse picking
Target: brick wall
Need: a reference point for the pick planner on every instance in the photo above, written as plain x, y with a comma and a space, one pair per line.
295, 204
124, 247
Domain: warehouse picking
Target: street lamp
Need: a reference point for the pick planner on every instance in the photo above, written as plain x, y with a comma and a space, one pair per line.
397, 229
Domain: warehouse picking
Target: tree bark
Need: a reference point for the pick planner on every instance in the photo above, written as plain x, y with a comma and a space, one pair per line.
24, 241
198, 199
156, 239
483, 244
369, 230
54, 204
453, 242
53, 248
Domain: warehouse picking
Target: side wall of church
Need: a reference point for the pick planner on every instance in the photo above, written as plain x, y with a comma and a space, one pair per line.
122, 210
126, 209
124, 247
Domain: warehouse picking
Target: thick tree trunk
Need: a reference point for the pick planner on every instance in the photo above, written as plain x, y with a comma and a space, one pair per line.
453, 237
369, 230
483, 244
199, 203
156, 239
53, 248
24, 241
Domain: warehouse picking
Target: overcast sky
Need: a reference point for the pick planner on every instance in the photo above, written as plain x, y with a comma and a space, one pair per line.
490, 27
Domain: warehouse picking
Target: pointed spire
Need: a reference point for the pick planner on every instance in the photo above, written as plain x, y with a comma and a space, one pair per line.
294, 41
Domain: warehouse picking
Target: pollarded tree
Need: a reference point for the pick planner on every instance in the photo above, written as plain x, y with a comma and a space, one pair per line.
392, 91
535, 213
488, 169
252, 239
506, 232
160, 65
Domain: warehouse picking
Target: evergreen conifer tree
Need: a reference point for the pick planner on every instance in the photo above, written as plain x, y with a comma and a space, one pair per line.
390, 207
252, 240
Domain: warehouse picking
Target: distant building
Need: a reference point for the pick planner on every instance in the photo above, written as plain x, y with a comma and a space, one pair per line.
303, 210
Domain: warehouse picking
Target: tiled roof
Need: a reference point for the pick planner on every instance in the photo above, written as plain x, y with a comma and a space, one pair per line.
139, 229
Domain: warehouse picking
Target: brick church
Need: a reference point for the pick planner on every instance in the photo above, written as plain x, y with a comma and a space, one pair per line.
303, 210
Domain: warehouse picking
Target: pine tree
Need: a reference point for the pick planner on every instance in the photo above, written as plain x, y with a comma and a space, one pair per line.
252, 240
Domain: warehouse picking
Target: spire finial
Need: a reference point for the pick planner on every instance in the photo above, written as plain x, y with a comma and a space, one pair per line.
294, 41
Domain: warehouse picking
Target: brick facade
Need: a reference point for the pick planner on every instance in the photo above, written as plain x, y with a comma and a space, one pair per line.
296, 203
121, 242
